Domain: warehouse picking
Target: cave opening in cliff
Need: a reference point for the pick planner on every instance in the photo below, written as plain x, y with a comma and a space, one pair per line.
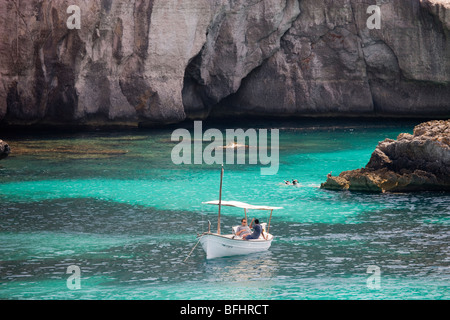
197, 104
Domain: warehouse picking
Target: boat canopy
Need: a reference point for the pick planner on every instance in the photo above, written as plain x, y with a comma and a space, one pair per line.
238, 204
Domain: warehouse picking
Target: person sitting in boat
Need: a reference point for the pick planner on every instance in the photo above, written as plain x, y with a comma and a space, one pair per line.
257, 230
243, 229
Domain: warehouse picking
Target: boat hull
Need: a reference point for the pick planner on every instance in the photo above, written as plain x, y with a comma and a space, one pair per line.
216, 246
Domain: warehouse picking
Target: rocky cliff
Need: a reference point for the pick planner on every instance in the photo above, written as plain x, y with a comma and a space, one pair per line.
417, 162
162, 61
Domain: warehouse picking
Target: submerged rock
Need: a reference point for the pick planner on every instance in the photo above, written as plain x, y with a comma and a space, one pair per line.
417, 162
5, 150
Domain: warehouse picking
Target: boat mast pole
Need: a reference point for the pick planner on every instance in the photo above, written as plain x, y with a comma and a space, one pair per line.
220, 200
268, 227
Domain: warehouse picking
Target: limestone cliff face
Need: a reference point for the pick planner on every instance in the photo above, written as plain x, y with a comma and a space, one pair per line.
162, 61
331, 63
126, 63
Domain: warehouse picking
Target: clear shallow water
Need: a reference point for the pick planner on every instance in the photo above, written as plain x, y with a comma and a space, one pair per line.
115, 205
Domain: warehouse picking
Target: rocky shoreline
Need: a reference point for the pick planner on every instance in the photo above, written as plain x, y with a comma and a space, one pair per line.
417, 162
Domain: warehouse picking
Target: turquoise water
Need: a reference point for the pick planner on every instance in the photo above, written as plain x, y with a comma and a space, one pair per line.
114, 204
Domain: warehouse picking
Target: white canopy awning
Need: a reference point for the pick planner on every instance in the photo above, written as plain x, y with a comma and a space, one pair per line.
242, 205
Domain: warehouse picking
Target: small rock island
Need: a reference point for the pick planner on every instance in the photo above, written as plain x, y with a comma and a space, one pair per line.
417, 162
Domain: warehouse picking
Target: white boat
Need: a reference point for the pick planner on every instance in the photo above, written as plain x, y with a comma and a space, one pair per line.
217, 245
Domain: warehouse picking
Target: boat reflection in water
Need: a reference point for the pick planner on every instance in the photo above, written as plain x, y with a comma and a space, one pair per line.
257, 266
